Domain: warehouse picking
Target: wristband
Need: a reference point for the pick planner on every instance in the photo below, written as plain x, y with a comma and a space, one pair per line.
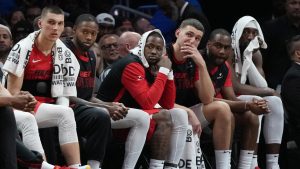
171, 75
164, 70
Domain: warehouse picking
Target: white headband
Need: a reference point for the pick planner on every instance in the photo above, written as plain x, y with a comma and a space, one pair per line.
251, 24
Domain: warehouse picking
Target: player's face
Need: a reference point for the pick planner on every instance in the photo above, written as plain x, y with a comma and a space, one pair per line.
247, 35
86, 34
52, 25
153, 49
219, 49
190, 35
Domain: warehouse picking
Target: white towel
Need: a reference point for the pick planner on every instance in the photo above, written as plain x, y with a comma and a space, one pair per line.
66, 66
247, 68
255, 78
139, 49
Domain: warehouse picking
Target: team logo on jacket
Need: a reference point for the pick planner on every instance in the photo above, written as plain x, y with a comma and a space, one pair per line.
139, 78
220, 76
35, 60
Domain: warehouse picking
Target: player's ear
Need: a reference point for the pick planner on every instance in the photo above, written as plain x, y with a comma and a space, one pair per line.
40, 23
177, 32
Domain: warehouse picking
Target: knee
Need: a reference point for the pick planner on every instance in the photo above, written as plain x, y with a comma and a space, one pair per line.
164, 119
26, 121
67, 115
179, 116
222, 111
142, 118
101, 117
274, 100
276, 107
26, 118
